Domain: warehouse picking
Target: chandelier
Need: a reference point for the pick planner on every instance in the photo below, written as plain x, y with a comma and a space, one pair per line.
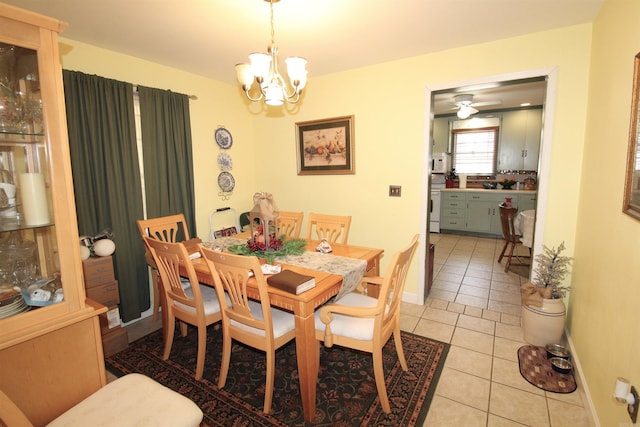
263, 70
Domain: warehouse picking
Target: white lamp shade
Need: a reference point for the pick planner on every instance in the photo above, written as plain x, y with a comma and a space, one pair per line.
260, 64
296, 68
274, 95
244, 74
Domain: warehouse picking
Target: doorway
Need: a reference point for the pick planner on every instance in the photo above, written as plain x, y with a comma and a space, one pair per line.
477, 84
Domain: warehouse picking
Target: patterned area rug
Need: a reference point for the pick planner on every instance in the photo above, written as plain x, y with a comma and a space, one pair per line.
346, 391
536, 368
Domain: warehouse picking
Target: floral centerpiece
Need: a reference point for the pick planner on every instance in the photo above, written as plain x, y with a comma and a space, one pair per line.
278, 247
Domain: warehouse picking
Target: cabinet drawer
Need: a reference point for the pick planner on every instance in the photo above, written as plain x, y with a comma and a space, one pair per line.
105, 294
453, 223
449, 195
453, 212
486, 197
454, 204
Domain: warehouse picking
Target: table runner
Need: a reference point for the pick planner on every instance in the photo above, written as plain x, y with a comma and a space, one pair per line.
351, 269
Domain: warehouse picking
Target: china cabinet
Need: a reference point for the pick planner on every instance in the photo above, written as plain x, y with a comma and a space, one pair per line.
50, 346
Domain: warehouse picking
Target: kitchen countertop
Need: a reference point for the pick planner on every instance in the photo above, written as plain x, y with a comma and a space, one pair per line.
484, 190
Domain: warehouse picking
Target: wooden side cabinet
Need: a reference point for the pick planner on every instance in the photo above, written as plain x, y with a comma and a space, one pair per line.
51, 355
102, 286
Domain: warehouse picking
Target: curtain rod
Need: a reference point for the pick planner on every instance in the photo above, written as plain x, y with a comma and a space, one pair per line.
191, 97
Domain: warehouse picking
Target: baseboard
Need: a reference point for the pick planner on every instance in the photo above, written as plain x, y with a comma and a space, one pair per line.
582, 381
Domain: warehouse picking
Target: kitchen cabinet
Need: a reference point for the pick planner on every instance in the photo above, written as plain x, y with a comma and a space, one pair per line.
483, 211
520, 134
476, 211
51, 354
526, 202
441, 135
453, 210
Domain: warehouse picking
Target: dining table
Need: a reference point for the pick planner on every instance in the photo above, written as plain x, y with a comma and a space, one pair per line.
303, 306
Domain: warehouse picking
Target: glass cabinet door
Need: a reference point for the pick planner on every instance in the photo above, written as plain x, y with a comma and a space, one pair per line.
28, 254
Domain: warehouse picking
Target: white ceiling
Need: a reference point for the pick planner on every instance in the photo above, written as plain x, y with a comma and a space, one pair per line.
208, 37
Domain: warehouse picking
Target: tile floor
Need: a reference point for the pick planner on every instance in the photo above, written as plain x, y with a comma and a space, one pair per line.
475, 306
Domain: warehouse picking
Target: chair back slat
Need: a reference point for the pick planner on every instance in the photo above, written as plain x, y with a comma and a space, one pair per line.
329, 227
507, 215
231, 274
393, 283
289, 224
169, 258
171, 228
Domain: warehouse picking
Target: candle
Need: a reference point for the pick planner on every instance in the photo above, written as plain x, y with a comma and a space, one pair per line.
33, 197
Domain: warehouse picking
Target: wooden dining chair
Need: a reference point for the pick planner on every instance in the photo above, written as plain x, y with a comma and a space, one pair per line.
330, 227
170, 228
254, 323
511, 238
289, 224
186, 301
366, 323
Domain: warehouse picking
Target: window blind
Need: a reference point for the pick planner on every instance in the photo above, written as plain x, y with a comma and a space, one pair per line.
475, 151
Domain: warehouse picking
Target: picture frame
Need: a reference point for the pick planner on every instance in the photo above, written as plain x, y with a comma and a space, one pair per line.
631, 203
326, 146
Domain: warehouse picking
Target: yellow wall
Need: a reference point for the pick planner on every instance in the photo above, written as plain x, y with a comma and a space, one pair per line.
604, 302
388, 103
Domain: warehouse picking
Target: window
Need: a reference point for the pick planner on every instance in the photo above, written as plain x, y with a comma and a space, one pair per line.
474, 150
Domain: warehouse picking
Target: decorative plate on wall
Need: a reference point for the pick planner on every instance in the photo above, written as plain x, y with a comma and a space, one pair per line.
225, 162
223, 138
226, 181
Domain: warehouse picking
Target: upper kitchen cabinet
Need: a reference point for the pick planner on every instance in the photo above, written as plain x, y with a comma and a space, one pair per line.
520, 135
50, 345
441, 134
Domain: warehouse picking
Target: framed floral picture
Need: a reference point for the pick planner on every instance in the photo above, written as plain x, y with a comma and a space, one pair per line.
326, 147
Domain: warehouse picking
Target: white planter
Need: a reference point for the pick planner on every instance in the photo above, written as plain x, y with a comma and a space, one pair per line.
544, 325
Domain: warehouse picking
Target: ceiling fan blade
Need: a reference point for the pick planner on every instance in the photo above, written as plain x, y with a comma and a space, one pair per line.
487, 103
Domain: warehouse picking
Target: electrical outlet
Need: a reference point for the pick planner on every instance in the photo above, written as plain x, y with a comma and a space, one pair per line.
395, 191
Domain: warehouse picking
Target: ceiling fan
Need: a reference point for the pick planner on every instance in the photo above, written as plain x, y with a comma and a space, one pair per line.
465, 105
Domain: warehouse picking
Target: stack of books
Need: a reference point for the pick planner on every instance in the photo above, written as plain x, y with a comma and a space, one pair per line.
291, 281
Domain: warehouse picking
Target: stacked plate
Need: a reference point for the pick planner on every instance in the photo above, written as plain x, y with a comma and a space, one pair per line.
13, 305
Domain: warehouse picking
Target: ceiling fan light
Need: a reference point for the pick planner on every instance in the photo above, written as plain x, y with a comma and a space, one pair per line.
464, 112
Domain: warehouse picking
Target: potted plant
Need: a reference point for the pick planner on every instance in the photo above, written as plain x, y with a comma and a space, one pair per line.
543, 309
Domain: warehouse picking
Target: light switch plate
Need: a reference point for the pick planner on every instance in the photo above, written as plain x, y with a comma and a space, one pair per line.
395, 191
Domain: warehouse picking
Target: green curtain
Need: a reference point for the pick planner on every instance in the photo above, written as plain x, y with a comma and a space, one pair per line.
167, 154
102, 139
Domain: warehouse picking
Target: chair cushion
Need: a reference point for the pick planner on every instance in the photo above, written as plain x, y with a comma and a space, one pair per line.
132, 400
283, 321
360, 328
209, 300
